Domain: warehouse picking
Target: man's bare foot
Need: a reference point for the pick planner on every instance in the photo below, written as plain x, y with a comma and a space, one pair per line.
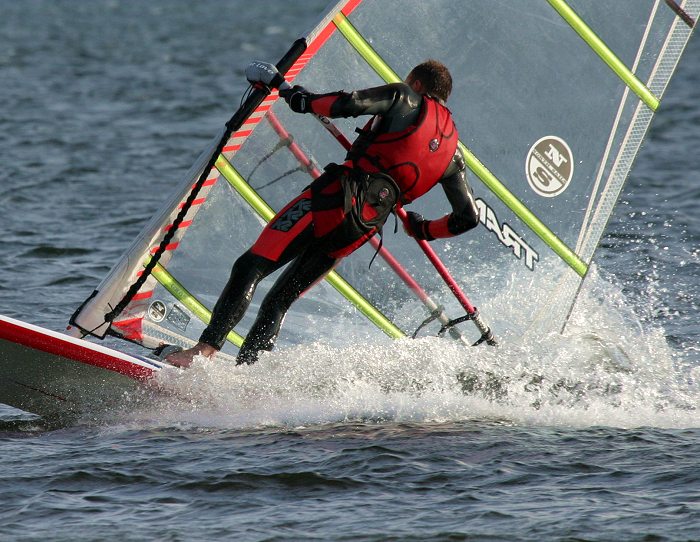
184, 358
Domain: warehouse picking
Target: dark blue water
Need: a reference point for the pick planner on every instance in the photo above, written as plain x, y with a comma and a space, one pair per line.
592, 437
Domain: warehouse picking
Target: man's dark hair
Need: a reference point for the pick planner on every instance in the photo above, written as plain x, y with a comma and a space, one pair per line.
435, 77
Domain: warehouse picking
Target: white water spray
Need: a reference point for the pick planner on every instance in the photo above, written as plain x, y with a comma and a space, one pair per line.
607, 369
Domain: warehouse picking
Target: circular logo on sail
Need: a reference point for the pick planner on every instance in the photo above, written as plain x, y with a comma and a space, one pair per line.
156, 311
549, 166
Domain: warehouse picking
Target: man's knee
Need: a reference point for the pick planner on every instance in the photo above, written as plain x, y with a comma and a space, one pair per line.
251, 265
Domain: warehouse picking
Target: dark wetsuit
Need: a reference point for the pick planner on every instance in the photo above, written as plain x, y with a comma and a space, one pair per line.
290, 236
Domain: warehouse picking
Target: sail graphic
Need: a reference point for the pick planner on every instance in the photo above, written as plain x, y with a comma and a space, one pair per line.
552, 100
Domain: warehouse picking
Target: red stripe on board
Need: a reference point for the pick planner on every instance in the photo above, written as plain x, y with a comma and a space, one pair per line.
231, 148
65, 348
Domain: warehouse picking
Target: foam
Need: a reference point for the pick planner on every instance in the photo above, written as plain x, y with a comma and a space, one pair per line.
609, 368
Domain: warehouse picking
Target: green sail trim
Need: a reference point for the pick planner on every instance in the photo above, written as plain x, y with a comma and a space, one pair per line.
489, 179
236, 180
605, 53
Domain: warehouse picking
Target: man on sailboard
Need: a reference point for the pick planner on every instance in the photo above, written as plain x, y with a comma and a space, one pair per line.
407, 147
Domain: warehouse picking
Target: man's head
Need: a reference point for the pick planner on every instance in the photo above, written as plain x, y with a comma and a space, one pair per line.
432, 78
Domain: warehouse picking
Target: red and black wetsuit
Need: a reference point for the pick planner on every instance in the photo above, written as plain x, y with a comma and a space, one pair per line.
413, 139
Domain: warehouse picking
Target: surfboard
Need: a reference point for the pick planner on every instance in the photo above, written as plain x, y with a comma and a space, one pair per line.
63, 378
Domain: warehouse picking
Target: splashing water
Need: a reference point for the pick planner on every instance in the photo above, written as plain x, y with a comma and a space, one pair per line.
608, 368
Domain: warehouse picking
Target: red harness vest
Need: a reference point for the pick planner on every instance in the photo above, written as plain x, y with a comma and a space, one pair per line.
416, 157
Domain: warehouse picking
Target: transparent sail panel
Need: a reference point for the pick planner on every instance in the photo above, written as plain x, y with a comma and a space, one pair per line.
549, 129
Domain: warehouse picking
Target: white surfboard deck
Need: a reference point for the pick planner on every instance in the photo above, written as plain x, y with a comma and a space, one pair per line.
62, 378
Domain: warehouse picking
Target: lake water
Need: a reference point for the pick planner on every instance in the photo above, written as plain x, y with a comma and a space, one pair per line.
605, 447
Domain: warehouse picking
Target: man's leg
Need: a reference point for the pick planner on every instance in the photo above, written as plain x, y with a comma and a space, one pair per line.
235, 298
308, 268
286, 236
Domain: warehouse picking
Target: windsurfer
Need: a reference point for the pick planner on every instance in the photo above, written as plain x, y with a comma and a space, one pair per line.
407, 147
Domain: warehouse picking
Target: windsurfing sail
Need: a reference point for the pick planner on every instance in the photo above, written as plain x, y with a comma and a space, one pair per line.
552, 100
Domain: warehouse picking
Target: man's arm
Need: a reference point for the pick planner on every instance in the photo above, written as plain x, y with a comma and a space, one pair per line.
395, 100
464, 215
